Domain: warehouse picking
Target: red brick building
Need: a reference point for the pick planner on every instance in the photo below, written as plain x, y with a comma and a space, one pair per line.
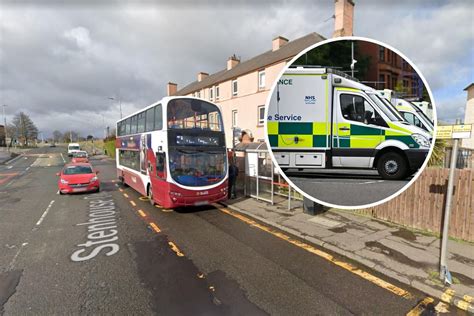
387, 70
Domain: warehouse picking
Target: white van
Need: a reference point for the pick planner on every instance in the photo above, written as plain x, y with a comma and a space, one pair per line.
72, 148
321, 118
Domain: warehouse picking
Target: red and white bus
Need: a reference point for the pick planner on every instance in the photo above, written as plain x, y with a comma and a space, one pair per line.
174, 152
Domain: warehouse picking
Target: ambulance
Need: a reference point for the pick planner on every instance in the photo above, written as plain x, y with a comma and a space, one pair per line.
322, 118
413, 114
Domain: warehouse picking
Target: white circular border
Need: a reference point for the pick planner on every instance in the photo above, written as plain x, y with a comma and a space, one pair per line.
350, 38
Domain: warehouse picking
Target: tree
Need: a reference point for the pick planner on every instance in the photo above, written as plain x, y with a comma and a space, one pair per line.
336, 55
57, 136
90, 137
25, 129
70, 136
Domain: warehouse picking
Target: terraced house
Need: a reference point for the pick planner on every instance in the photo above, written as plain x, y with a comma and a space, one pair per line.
242, 87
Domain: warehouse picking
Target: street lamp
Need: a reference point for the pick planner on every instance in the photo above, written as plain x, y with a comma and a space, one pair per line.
120, 104
5, 124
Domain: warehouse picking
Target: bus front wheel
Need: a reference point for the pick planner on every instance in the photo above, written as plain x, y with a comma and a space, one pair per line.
392, 166
150, 195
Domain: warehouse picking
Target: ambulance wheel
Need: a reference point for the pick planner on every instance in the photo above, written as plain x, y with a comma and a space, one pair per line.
392, 166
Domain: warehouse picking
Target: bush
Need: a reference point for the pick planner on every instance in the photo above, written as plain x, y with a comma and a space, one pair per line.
109, 148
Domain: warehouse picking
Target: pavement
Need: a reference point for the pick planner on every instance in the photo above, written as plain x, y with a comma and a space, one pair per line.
360, 187
55, 258
408, 256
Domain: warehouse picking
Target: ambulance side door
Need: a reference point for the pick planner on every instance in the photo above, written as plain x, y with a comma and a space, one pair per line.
356, 129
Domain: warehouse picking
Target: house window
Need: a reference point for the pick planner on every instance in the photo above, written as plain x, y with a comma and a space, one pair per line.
211, 93
234, 118
382, 53
198, 94
234, 87
261, 114
261, 80
381, 84
217, 92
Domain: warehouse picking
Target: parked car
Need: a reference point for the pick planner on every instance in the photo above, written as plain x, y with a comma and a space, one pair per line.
78, 177
80, 156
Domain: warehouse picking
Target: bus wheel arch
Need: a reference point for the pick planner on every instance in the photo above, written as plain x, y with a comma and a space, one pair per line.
392, 163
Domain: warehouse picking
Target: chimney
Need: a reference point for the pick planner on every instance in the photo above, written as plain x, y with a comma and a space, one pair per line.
171, 88
202, 75
278, 42
343, 18
232, 62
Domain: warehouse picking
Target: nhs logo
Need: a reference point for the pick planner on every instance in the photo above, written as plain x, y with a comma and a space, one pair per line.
310, 99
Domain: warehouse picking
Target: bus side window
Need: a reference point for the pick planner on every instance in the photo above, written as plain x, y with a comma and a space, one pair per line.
160, 165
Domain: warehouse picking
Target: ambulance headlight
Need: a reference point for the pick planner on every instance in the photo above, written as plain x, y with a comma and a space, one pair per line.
421, 140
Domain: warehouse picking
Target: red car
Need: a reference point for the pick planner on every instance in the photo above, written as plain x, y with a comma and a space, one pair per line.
80, 156
78, 177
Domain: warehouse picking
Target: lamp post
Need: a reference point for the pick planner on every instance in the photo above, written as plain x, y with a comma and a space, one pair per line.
5, 125
120, 104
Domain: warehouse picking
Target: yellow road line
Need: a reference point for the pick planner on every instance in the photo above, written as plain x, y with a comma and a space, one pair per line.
468, 298
166, 210
447, 296
175, 248
133, 203
142, 214
347, 266
155, 227
420, 307
143, 198
126, 195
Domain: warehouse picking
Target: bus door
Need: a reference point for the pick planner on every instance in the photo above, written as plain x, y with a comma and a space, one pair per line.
158, 178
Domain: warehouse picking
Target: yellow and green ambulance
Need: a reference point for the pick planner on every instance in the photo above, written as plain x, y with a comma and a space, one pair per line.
321, 118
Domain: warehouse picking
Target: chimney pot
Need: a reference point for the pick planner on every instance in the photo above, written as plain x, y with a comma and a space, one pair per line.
343, 18
232, 62
171, 88
278, 42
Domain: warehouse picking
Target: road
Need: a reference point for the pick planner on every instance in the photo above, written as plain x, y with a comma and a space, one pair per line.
345, 187
197, 261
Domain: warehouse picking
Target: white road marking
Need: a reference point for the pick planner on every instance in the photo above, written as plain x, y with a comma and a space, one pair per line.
9, 167
370, 182
45, 213
12, 263
28, 168
64, 160
57, 192
9, 162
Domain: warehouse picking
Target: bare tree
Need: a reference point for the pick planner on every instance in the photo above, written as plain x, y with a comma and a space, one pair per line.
70, 136
25, 129
57, 136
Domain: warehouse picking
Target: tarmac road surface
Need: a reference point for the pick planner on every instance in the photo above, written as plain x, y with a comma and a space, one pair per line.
345, 187
113, 252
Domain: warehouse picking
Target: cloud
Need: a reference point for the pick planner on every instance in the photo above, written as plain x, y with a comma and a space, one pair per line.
60, 63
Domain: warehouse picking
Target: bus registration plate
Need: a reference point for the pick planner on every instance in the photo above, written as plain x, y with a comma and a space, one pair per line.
199, 203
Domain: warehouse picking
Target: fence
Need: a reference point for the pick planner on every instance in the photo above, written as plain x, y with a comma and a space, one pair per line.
422, 205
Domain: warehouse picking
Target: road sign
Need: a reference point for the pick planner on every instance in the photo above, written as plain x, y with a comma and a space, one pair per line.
444, 132
454, 131
462, 131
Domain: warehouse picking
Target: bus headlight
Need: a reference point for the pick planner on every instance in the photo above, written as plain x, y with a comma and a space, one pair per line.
421, 140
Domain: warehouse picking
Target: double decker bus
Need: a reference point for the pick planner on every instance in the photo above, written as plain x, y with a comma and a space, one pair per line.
174, 152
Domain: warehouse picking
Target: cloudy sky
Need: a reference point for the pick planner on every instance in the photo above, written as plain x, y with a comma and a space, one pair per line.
60, 61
